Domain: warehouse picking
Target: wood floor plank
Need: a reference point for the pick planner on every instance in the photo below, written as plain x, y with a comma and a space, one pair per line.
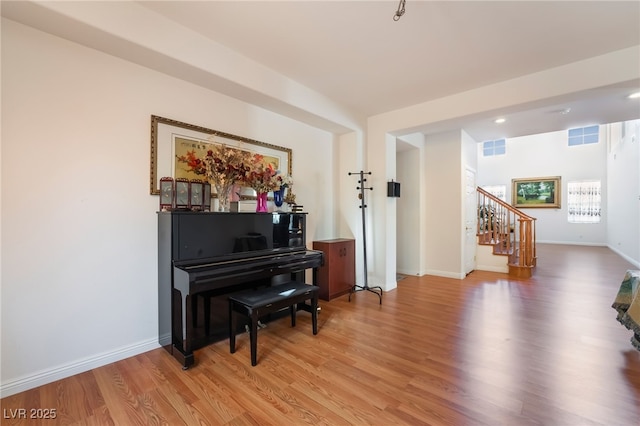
123, 404
485, 350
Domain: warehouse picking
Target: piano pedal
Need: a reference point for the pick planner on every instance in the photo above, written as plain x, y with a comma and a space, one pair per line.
261, 325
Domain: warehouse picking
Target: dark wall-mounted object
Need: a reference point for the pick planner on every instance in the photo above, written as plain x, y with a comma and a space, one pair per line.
393, 189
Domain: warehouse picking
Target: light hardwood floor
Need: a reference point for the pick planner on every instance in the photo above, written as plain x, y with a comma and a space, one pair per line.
486, 350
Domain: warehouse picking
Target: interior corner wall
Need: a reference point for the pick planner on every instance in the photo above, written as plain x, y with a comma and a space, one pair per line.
79, 230
443, 215
469, 151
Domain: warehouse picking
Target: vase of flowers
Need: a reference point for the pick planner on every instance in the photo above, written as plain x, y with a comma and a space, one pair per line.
223, 192
223, 166
263, 178
278, 194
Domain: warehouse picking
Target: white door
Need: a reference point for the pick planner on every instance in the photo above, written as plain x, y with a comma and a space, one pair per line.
470, 218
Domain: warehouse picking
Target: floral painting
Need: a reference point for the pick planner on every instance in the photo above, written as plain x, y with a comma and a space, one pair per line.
197, 149
171, 139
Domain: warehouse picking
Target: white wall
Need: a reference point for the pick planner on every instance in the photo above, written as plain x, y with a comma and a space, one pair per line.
444, 216
79, 239
349, 223
408, 212
469, 240
544, 155
623, 189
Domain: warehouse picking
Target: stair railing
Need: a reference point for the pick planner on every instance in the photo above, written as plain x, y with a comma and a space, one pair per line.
508, 229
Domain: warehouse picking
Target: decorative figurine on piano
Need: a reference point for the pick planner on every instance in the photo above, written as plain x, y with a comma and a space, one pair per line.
183, 200
167, 191
196, 192
290, 199
206, 202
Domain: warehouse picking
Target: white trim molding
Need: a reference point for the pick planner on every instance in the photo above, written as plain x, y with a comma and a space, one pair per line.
44, 377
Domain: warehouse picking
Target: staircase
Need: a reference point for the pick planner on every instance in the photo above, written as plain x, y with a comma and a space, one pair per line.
510, 232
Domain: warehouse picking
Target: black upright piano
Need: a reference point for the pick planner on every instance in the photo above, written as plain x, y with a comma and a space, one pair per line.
203, 257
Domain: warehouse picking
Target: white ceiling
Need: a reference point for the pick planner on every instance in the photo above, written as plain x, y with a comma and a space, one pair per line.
355, 54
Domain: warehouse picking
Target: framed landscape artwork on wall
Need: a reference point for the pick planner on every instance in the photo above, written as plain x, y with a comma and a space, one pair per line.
542, 192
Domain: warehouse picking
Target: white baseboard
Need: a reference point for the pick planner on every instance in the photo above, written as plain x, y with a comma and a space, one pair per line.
445, 274
625, 257
493, 268
43, 377
572, 243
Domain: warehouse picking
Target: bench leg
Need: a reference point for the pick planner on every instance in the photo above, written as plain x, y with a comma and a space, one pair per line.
232, 329
314, 313
253, 335
292, 309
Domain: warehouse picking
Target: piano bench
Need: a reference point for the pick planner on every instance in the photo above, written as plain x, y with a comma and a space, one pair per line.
256, 303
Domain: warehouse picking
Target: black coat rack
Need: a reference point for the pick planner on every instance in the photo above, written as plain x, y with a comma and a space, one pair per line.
376, 289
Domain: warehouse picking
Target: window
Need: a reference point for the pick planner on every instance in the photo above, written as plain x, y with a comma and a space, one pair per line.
584, 135
584, 201
497, 147
498, 191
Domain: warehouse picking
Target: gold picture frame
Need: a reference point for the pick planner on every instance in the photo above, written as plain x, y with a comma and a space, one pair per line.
540, 192
169, 137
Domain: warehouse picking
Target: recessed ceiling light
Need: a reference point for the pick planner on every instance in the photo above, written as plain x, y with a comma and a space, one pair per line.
500, 120
634, 95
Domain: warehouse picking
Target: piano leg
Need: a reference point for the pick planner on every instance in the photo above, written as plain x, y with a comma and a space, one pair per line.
182, 320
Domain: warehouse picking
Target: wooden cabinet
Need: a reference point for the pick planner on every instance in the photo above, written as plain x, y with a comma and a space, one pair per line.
338, 275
